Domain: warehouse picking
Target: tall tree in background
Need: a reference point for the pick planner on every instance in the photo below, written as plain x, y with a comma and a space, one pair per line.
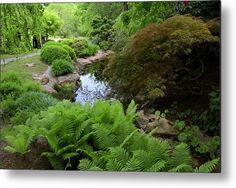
19, 23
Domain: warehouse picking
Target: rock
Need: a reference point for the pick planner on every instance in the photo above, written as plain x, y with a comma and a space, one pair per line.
37, 77
149, 122
30, 64
48, 89
73, 77
44, 80
141, 119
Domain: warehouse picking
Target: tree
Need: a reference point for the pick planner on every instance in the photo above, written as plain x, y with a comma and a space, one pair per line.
19, 23
52, 22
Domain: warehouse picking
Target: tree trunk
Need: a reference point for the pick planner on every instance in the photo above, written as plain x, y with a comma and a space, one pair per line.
125, 6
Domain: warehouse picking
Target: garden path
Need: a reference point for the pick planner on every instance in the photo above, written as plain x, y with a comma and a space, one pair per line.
5, 61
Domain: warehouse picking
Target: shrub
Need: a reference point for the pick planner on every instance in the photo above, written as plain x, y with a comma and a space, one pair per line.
70, 51
51, 53
79, 45
214, 26
102, 30
90, 50
50, 43
65, 46
60, 67
156, 52
68, 42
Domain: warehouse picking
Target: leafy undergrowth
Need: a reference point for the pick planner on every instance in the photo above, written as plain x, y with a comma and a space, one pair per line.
99, 137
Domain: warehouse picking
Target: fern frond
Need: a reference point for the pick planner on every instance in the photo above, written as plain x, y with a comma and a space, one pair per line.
182, 168
207, 167
133, 165
180, 155
120, 154
113, 165
131, 111
87, 165
128, 138
157, 167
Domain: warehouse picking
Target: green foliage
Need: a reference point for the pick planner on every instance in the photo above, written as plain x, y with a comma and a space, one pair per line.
91, 50
17, 30
64, 46
61, 67
70, 51
10, 89
84, 48
65, 91
22, 100
209, 120
141, 14
68, 21
100, 137
102, 30
202, 144
52, 53
155, 53
208, 166
52, 22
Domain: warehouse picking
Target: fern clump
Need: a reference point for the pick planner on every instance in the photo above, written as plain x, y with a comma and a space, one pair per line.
100, 137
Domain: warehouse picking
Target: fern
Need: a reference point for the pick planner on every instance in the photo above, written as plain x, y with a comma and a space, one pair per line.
207, 167
157, 167
87, 165
182, 168
180, 155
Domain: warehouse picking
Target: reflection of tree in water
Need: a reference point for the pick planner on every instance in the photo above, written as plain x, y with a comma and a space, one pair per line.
92, 89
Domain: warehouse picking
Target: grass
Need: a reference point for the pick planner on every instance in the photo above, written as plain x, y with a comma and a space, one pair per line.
20, 68
5, 56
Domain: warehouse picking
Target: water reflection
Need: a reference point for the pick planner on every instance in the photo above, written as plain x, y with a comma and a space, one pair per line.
91, 89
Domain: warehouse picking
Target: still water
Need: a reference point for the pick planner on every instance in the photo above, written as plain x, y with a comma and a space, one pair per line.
91, 89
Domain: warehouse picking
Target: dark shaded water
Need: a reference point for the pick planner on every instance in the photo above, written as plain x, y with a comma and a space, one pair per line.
91, 89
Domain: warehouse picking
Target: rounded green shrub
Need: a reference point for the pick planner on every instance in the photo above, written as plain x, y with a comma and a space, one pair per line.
70, 51
68, 42
52, 52
79, 45
90, 50
61, 66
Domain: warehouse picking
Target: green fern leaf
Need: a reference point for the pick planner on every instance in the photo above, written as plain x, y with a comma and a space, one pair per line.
207, 167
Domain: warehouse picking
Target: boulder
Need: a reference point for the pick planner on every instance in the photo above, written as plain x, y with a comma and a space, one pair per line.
151, 122
48, 89
73, 77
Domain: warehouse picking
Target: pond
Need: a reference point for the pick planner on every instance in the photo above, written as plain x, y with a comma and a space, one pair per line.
91, 89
